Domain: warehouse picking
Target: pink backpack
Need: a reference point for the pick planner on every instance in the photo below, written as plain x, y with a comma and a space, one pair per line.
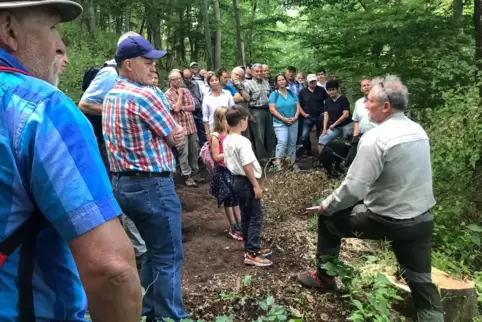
206, 155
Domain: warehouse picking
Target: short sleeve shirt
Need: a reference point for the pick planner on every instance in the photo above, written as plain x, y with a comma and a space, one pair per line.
286, 106
49, 157
183, 118
211, 103
335, 110
360, 115
135, 123
95, 93
238, 152
231, 89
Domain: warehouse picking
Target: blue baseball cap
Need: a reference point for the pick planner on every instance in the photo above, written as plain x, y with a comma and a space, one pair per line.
136, 46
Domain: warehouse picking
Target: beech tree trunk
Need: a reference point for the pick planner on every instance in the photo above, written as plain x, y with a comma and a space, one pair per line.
240, 59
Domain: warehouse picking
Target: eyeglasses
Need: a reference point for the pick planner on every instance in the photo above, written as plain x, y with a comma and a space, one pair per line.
383, 87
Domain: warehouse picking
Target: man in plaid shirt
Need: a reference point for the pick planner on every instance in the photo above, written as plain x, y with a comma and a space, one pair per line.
182, 108
262, 131
139, 133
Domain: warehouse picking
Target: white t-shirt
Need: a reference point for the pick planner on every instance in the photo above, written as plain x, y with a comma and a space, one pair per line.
360, 115
211, 103
238, 153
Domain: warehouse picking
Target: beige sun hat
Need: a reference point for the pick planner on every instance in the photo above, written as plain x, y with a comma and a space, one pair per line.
68, 10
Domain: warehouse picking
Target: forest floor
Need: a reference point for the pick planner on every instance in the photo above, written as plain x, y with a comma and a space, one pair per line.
215, 280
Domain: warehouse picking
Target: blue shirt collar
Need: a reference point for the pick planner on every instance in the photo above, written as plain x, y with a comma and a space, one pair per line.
9, 60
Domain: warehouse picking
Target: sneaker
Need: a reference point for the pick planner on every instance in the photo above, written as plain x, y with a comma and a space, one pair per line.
256, 260
235, 234
265, 252
190, 182
198, 179
296, 168
311, 280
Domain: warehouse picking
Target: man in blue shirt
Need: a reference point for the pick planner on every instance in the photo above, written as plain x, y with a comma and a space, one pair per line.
51, 166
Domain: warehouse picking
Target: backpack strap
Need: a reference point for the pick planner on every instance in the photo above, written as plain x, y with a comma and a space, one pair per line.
26, 237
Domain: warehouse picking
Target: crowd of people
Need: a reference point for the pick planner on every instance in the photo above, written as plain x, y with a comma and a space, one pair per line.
67, 178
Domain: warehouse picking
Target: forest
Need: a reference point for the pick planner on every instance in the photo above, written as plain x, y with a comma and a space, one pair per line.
435, 46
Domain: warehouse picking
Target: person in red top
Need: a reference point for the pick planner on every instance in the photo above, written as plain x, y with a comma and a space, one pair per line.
182, 108
221, 181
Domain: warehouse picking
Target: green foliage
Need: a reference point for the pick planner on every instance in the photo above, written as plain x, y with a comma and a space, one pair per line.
456, 149
274, 312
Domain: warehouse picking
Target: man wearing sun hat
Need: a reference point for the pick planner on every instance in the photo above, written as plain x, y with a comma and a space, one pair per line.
139, 132
61, 244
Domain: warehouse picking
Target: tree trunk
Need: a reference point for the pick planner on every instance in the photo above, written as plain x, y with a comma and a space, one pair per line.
239, 36
217, 18
457, 8
250, 34
478, 39
182, 47
207, 33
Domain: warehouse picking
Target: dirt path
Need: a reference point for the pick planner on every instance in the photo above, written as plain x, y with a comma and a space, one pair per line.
214, 263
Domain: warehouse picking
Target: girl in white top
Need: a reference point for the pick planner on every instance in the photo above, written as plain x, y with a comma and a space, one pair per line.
213, 99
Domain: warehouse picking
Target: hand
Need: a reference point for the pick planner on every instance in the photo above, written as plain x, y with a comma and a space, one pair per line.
179, 136
287, 120
323, 133
305, 115
258, 193
332, 127
321, 210
180, 91
237, 83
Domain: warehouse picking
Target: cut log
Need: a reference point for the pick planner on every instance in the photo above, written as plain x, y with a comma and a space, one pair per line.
459, 297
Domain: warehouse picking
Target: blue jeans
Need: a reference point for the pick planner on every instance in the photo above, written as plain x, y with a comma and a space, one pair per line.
286, 136
155, 209
340, 131
308, 124
198, 120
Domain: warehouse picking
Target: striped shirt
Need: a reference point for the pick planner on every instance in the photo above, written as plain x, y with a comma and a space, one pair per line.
184, 118
49, 157
134, 123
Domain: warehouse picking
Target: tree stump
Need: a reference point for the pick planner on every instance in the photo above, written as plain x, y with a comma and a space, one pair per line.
459, 298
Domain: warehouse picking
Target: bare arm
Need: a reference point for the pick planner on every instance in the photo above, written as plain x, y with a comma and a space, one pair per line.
325, 122
274, 111
298, 110
215, 150
90, 108
343, 117
206, 129
238, 98
356, 128
107, 268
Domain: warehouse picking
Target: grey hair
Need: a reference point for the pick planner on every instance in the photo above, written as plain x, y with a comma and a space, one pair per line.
265, 65
256, 66
174, 74
126, 35
391, 89
238, 70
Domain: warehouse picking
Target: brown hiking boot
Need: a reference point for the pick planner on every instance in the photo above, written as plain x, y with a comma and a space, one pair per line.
313, 281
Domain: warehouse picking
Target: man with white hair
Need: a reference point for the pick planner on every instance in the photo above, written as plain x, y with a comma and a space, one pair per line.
61, 244
182, 108
386, 195
139, 133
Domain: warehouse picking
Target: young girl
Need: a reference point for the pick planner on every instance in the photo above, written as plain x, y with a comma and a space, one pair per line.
221, 182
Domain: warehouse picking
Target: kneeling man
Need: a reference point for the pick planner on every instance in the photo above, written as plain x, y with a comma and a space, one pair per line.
387, 194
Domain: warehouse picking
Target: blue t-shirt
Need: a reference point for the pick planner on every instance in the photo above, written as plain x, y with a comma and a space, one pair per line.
286, 106
49, 157
231, 89
103, 82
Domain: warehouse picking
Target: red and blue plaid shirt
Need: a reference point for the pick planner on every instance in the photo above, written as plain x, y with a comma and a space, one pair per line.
134, 124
